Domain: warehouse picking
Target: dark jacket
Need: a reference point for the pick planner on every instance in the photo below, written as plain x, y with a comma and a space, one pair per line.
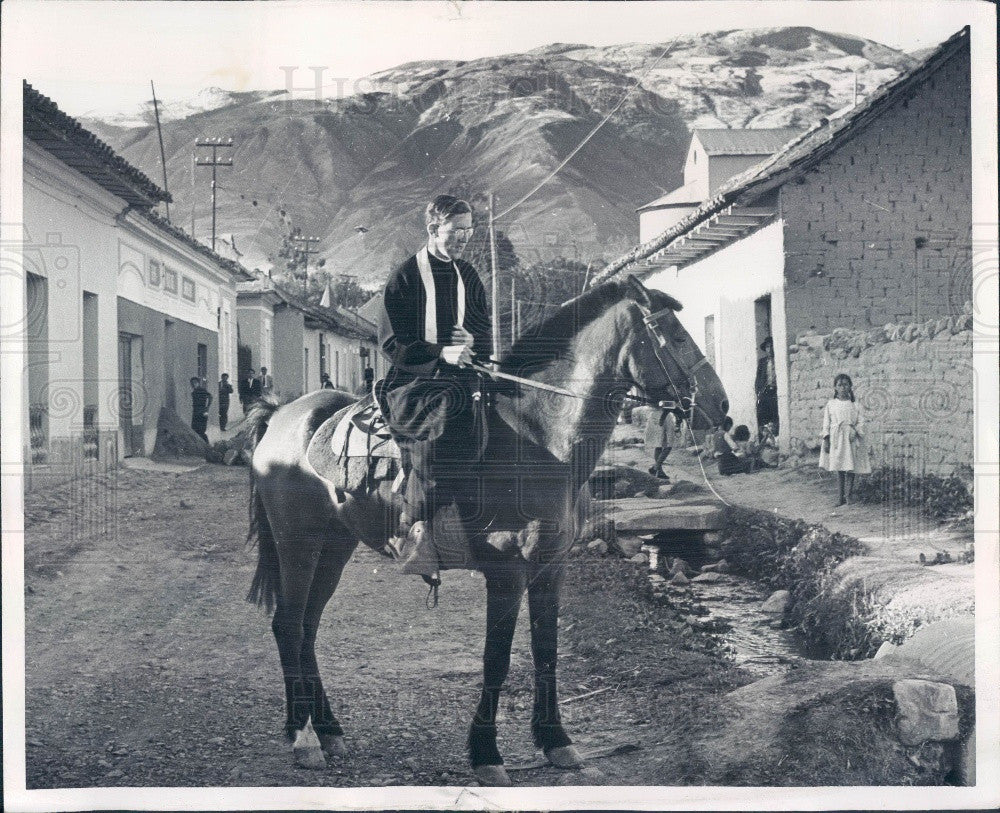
402, 321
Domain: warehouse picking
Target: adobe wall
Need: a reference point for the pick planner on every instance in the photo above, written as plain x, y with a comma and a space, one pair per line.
880, 230
914, 381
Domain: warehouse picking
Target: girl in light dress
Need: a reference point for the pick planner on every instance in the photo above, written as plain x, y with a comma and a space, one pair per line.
844, 448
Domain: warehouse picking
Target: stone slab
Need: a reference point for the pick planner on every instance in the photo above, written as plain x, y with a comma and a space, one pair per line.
638, 515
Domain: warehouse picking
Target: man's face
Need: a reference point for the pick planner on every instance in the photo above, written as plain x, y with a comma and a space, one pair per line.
450, 238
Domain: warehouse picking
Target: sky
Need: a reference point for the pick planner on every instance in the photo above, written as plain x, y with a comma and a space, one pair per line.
95, 57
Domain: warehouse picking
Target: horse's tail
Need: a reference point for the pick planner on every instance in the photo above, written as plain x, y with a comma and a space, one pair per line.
266, 579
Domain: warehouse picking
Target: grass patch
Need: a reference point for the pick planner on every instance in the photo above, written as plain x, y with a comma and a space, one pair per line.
937, 497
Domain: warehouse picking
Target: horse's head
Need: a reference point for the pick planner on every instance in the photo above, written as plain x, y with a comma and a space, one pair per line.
664, 364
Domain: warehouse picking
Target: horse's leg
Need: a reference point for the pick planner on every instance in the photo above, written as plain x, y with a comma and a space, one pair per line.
333, 558
299, 556
544, 581
504, 588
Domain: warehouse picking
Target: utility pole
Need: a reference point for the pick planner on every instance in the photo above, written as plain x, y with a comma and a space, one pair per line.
494, 289
216, 144
304, 246
163, 157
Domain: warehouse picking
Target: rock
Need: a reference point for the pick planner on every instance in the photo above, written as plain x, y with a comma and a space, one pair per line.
629, 545
722, 566
174, 438
678, 565
708, 577
885, 649
679, 579
598, 547
777, 602
663, 491
184, 504
684, 487
232, 457
927, 711
639, 559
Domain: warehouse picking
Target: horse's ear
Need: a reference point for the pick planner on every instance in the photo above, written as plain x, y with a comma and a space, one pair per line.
638, 291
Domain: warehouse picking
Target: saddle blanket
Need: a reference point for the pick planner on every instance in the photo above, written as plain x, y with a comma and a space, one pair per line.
353, 448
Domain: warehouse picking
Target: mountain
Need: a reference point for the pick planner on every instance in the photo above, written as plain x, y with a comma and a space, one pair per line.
356, 171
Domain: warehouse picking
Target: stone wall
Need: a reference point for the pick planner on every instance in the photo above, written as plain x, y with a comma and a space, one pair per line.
879, 231
914, 381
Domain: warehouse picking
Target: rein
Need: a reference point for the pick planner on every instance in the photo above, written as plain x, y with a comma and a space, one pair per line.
662, 344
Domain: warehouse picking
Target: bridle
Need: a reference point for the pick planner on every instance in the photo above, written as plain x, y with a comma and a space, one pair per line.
664, 353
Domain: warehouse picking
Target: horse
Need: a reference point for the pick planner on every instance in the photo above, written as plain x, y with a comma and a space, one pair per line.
543, 444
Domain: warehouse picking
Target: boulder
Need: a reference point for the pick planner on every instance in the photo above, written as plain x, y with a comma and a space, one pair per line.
678, 565
232, 458
175, 438
679, 579
777, 602
708, 577
682, 487
629, 545
722, 566
598, 547
639, 558
928, 711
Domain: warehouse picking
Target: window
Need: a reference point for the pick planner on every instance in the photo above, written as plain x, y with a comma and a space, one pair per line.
203, 362
187, 289
154, 273
170, 280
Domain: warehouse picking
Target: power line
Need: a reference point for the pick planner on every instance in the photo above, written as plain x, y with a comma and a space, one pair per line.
592, 133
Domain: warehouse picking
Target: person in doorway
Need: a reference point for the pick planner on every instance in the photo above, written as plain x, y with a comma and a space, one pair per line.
266, 382
225, 390
243, 389
434, 324
324, 382
766, 386
201, 400
661, 434
728, 454
844, 448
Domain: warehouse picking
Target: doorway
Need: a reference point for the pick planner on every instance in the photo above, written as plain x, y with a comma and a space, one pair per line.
130, 387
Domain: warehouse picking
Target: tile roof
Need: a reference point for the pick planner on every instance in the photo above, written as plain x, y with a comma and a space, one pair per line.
799, 154
63, 136
332, 318
687, 195
762, 141
179, 234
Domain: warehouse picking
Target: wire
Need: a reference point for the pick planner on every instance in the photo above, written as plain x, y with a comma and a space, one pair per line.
591, 134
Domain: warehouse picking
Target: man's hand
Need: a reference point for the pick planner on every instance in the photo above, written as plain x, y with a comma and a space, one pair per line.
459, 355
460, 336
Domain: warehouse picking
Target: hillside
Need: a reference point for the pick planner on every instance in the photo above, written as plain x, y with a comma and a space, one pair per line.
355, 171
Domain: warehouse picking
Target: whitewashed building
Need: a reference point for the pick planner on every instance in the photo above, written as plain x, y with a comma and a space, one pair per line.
122, 308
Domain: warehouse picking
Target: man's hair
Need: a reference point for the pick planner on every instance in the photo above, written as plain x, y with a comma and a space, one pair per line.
225, 375
727, 423
444, 207
741, 432
263, 368
195, 380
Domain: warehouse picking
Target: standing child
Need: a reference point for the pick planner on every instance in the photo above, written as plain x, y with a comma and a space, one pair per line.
661, 433
844, 449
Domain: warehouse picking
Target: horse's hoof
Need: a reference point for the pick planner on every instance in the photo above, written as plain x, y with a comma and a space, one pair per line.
311, 758
492, 776
306, 749
333, 744
565, 756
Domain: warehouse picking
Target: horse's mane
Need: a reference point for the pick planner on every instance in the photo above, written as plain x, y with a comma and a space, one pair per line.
550, 338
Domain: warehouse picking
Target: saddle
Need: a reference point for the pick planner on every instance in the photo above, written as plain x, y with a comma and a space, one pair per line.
353, 448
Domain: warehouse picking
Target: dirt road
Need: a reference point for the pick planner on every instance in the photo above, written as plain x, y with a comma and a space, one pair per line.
145, 666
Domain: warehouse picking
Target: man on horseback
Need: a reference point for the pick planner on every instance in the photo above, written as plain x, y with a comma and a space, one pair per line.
434, 323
